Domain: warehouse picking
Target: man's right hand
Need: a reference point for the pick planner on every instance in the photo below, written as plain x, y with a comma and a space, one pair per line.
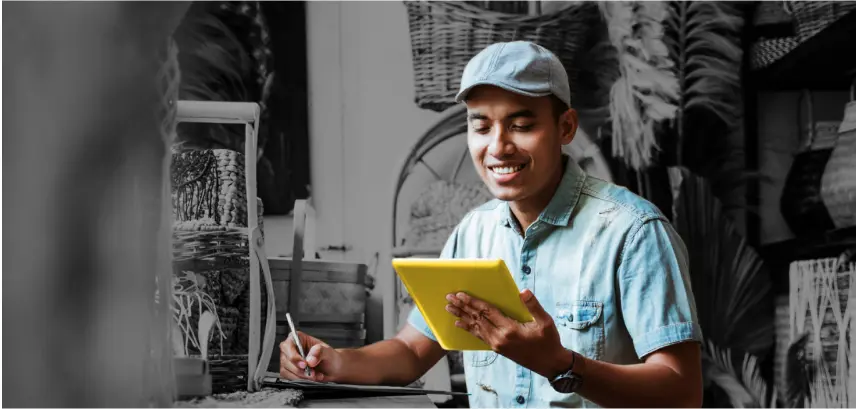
322, 359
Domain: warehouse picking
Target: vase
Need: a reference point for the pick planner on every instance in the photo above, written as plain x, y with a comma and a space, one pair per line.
838, 186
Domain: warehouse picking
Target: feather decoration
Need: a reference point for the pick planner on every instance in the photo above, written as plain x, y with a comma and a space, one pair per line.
732, 289
647, 90
704, 44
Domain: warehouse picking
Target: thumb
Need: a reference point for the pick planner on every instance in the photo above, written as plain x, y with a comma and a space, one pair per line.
317, 354
534, 306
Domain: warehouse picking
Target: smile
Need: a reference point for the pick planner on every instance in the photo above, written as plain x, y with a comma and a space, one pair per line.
506, 170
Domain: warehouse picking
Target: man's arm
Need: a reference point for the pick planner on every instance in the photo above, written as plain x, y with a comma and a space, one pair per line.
669, 377
397, 361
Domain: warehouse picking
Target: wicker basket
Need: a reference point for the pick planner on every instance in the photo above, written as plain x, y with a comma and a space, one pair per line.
820, 291
766, 51
445, 35
838, 186
810, 17
220, 249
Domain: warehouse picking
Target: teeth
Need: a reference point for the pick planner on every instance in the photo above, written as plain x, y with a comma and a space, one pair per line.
506, 170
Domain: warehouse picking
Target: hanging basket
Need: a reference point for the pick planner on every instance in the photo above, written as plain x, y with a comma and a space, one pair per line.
838, 185
810, 17
445, 35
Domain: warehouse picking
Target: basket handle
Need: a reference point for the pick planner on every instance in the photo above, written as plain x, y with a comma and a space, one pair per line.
269, 335
304, 220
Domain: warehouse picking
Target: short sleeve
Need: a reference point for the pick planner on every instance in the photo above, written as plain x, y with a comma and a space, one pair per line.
657, 301
415, 318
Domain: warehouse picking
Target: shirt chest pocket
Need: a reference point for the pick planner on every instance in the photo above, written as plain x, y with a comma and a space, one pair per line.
581, 327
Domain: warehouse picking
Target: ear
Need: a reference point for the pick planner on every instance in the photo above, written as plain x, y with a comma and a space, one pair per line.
568, 124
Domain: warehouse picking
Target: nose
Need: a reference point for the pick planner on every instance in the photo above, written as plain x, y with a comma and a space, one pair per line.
500, 143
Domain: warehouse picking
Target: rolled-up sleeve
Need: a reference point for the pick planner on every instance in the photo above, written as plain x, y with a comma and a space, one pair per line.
415, 318
657, 300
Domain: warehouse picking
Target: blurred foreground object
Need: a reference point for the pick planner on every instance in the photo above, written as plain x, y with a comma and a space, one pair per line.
87, 205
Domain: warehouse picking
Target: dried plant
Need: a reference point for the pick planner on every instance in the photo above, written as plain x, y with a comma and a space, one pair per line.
704, 44
744, 390
732, 289
186, 295
647, 90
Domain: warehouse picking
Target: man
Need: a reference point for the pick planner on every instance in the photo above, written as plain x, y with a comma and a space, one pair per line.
602, 271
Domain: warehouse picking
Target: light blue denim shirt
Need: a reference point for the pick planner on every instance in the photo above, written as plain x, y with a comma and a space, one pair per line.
604, 262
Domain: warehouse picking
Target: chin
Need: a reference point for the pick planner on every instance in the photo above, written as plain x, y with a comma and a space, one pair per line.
505, 194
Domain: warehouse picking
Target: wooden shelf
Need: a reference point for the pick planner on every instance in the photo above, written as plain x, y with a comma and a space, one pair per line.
778, 256
825, 62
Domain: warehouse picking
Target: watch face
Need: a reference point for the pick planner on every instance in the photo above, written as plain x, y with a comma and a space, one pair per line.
564, 384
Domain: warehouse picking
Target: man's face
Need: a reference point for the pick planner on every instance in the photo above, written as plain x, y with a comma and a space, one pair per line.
516, 141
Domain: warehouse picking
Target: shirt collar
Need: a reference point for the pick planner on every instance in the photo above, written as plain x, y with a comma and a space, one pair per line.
561, 206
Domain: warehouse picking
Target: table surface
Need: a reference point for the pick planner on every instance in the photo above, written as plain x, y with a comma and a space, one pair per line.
285, 398
408, 401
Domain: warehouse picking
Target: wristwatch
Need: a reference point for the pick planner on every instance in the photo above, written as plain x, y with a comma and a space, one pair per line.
568, 381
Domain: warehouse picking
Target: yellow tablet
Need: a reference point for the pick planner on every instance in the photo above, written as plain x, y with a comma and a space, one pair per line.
429, 280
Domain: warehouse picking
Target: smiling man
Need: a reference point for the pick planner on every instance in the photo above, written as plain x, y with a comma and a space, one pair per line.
602, 270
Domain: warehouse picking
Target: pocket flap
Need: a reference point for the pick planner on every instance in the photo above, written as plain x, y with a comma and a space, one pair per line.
581, 314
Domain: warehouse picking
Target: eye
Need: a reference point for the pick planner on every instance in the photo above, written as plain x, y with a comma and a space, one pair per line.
480, 127
522, 127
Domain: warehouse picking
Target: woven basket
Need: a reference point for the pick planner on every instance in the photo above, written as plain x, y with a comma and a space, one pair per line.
766, 51
820, 291
445, 35
801, 204
771, 13
220, 252
219, 258
810, 17
838, 185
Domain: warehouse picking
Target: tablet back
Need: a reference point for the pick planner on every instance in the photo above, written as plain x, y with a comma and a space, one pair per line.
429, 280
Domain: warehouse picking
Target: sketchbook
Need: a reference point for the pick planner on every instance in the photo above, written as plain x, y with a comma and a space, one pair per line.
331, 390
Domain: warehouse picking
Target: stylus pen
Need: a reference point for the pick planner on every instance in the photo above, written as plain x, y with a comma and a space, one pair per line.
297, 342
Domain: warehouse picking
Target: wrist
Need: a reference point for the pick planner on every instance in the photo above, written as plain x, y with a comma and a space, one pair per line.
561, 363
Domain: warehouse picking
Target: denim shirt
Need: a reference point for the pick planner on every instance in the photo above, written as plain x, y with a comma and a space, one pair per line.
603, 262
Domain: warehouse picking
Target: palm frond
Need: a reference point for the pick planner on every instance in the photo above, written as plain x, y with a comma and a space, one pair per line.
647, 91
703, 42
732, 289
746, 389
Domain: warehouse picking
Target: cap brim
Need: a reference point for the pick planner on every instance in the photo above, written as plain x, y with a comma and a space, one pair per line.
462, 94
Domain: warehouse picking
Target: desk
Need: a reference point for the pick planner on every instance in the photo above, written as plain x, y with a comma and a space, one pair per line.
286, 398
407, 401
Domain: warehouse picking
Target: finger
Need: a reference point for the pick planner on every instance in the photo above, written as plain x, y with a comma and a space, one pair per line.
288, 369
541, 316
289, 348
494, 315
455, 311
315, 355
481, 329
477, 309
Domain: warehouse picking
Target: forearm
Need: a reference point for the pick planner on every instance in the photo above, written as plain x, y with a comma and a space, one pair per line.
639, 385
388, 362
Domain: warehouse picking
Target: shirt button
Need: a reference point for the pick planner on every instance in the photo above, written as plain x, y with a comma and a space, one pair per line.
526, 270
520, 399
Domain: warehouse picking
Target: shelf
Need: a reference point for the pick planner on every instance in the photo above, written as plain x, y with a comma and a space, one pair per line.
824, 62
778, 256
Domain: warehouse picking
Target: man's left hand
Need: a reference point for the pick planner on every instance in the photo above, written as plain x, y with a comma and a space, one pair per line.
535, 345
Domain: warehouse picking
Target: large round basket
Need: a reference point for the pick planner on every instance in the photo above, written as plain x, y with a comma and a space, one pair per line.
445, 35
